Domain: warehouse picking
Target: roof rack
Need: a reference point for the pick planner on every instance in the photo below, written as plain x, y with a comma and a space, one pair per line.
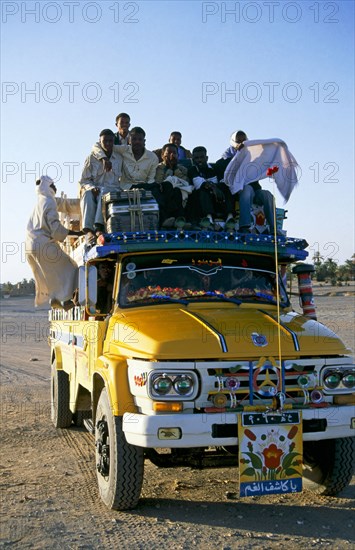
289, 249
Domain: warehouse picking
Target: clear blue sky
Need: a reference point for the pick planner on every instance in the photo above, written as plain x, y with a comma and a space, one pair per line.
273, 69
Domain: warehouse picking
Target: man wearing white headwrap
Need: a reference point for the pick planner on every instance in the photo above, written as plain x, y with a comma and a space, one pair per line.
236, 143
55, 273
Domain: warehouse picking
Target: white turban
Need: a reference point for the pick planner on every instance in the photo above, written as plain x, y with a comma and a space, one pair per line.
234, 142
44, 188
233, 139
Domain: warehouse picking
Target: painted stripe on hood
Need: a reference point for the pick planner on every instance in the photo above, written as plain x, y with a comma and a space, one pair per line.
285, 328
211, 328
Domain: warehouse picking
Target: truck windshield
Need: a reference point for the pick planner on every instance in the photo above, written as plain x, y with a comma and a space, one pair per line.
190, 277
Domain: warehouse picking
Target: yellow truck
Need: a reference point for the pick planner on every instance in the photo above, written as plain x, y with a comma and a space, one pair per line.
185, 350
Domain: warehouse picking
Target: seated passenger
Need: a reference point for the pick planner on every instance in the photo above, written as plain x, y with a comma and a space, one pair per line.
96, 180
55, 273
122, 136
210, 197
236, 143
173, 188
252, 193
138, 164
175, 138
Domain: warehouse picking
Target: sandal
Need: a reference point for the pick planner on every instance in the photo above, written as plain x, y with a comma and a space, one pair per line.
168, 223
181, 223
230, 224
206, 224
90, 239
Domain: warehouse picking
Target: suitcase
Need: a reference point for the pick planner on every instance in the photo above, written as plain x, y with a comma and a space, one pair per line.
133, 210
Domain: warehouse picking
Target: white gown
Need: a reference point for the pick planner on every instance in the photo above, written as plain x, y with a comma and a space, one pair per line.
55, 273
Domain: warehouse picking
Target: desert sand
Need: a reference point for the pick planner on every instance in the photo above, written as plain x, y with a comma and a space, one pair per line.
48, 480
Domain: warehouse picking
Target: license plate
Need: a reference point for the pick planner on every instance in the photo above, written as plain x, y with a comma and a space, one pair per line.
270, 453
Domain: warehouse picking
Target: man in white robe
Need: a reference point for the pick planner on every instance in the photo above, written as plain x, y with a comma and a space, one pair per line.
55, 273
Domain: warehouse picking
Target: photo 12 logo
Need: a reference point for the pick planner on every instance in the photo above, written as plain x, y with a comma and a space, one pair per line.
269, 92
70, 12
29, 172
270, 12
69, 92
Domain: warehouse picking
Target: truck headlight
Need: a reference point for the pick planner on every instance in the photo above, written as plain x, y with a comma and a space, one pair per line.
348, 379
332, 380
183, 384
338, 380
172, 385
162, 385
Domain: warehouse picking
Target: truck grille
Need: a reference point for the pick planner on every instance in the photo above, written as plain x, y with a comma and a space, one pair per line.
259, 383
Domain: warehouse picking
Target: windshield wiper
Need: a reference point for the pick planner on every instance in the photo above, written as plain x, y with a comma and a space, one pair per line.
266, 297
169, 299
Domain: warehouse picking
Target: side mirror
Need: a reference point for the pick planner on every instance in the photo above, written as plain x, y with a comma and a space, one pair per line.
87, 285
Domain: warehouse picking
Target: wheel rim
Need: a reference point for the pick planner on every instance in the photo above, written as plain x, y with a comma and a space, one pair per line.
103, 448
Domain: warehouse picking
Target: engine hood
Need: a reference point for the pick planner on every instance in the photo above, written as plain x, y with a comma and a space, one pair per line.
215, 332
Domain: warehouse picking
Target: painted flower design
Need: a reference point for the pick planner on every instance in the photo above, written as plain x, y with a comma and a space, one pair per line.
272, 456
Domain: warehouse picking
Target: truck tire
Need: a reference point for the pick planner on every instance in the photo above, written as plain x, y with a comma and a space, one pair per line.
61, 414
120, 466
329, 464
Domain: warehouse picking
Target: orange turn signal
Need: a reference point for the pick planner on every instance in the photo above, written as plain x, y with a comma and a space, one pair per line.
159, 406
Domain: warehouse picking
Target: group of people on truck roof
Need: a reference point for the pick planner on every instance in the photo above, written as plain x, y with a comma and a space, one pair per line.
189, 190
192, 192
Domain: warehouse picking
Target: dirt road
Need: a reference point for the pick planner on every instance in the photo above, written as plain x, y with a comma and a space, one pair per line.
48, 481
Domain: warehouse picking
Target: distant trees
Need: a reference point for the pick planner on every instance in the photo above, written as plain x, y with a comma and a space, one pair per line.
24, 288
329, 271
7, 287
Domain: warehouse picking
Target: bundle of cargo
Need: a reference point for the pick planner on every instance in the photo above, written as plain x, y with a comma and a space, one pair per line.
133, 210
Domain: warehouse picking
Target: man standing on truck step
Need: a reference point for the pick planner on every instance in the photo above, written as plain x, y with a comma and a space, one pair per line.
55, 273
96, 180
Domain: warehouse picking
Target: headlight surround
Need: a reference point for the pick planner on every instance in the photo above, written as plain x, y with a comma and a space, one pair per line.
338, 380
173, 385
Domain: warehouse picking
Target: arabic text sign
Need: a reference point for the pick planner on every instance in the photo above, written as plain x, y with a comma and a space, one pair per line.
270, 453
271, 487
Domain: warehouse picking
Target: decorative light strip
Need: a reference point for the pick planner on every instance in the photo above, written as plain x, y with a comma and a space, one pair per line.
289, 248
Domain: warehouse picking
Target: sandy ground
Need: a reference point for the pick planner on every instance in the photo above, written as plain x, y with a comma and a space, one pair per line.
48, 481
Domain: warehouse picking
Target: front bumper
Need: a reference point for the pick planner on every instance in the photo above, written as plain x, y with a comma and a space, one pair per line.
199, 430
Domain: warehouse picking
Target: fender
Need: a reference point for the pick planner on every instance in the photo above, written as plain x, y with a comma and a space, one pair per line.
57, 355
113, 372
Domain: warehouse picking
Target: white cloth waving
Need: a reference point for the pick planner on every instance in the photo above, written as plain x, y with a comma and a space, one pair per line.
252, 161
